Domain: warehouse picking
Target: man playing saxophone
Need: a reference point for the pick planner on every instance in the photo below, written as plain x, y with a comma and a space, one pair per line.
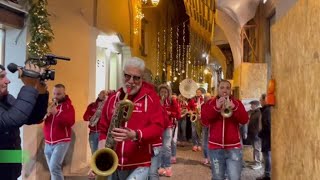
93, 114
195, 107
224, 137
134, 137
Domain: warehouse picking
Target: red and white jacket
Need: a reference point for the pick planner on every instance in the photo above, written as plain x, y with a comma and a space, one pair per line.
173, 111
194, 102
91, 109
175, 114
223, 132
158, 141
147, 119
57, 128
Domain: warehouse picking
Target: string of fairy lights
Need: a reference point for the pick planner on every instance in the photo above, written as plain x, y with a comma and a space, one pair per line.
179, 57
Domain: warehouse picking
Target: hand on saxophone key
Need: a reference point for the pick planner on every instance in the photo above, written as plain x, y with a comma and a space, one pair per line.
122, 134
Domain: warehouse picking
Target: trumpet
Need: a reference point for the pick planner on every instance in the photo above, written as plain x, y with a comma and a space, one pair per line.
163, 98
226, 110
53, 104
105, 161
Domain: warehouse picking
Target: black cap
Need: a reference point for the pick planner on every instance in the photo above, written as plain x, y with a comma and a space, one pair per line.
2, 68
255, 102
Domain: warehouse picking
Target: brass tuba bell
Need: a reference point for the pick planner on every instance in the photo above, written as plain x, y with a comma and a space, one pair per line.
105, 161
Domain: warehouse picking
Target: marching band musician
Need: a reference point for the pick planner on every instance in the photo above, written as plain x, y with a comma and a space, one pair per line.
145, 125
182, 123
224, 137
173, 112
195, 107
92, 115
205, 134
57, 130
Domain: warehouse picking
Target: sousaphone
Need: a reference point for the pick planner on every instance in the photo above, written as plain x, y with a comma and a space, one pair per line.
188, 88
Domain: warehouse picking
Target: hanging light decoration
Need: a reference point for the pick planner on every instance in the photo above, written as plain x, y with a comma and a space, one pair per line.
155, 2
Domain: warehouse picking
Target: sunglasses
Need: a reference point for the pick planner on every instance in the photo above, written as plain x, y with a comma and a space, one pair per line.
128, 77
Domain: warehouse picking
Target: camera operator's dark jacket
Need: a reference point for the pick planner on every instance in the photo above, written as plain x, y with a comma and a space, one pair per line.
29, 108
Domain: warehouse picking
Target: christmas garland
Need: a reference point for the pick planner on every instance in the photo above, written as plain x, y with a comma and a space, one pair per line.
39, 29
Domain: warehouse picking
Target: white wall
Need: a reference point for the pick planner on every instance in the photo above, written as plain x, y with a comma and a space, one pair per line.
15, 52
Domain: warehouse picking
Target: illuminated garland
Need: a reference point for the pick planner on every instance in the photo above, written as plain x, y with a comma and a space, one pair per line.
39, 29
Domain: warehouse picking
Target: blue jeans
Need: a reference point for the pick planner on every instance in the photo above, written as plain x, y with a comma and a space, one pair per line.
205, 136
195, 137
165, 155
267, 163
93, 141
174, 141
182, 124
155, 164
140, 173
55, 155
226, 161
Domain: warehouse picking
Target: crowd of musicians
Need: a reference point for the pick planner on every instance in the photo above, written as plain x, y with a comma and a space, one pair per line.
141, 124
146, 144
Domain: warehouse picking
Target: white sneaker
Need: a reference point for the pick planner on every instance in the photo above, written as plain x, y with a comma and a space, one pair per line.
256, 167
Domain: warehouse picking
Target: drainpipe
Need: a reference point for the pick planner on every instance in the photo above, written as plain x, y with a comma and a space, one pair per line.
131, 21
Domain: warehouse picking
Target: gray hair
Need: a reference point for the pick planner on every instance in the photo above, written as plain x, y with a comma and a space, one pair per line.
134, 62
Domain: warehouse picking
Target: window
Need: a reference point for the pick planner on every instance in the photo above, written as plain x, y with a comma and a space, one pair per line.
2, 36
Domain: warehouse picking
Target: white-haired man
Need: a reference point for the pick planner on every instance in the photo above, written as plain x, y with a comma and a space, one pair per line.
145, 125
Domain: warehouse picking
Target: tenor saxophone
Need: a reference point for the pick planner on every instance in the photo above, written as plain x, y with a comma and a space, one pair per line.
96, 116
105, 161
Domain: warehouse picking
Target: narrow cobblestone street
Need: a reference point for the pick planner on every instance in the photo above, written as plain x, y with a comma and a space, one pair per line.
189, 167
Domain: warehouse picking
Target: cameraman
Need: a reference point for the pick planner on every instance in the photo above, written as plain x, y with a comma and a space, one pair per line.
29, 108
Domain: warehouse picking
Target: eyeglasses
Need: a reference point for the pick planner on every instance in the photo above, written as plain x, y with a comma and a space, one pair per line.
128, 77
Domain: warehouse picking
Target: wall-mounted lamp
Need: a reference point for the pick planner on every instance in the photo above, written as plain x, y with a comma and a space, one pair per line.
155, 2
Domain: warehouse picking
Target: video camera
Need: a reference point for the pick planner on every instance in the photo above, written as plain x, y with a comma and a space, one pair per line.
44, 62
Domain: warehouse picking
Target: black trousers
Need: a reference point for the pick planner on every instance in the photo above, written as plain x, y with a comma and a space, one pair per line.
10, 171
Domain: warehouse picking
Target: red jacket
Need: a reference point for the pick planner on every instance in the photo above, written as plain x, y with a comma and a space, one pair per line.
158, 141
223, 133
147, 119
91, 109
57, 128
174, 110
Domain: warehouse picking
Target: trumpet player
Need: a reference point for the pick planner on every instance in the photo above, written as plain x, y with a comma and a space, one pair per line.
225, 149
173, 112
145, 125
57, 130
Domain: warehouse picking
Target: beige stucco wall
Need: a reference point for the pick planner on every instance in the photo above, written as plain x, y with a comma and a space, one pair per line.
75, 37
252, 80
295, 118
114, 17
76, 43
